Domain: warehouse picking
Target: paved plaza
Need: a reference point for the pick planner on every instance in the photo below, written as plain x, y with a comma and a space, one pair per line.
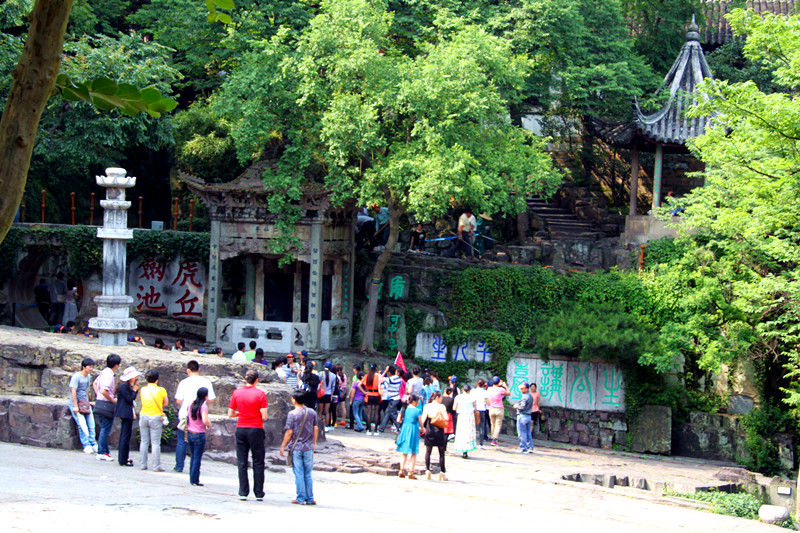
57, 490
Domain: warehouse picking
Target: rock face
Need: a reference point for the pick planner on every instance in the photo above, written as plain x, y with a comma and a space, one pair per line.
772, 514
652, 431
709, 436
36, 368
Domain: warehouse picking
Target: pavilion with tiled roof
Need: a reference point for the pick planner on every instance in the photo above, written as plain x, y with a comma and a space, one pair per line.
668, 129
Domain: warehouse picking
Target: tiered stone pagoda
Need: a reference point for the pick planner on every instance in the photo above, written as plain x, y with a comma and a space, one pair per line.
304, 305
663, 132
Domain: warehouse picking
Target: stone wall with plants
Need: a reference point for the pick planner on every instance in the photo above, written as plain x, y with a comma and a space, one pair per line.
670, 350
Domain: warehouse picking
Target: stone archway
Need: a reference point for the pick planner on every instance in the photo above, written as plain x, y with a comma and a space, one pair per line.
19, 288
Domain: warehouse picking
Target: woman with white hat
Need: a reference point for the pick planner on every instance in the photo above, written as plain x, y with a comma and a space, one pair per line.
126, 394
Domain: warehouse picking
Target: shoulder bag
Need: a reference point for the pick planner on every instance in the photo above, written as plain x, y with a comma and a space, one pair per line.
104, 408
84, 407
290, 455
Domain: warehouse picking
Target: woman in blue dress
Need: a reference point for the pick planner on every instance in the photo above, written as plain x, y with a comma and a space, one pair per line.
408, 439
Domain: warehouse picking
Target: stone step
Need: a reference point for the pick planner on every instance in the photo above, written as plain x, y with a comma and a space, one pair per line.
565, 235
567, 225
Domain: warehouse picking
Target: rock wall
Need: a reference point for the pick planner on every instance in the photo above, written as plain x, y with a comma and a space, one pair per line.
721, 437
598, 429
36, 368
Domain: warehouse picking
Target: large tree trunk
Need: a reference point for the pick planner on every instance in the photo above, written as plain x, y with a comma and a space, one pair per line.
368, 340
34, 80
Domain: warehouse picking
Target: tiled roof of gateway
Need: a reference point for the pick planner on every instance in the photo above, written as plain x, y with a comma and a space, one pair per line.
670, 124
718, 31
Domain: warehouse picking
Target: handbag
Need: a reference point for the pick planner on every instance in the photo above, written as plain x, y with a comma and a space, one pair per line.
183, 423
440, 420
84, 407
104, 408
290, 455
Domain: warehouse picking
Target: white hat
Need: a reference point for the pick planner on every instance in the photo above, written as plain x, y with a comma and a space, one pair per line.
130, 373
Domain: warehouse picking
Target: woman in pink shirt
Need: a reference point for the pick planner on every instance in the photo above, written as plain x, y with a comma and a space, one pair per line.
196, 425
494, 398
536, 411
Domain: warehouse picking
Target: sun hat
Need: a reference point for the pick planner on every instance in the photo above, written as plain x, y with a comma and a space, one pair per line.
130, 373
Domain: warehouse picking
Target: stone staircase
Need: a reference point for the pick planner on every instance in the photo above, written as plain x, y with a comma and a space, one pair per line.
562, 224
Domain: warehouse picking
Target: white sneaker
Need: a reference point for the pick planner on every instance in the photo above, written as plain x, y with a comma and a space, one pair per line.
94, 448
369, 433
88, 449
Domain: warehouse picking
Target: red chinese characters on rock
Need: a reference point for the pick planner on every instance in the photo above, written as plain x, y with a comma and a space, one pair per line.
149, 299
158, 290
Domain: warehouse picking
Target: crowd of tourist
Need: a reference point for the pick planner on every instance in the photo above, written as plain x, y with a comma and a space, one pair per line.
412, 405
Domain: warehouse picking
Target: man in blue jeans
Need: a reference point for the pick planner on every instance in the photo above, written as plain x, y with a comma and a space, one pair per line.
301, 430
523, 407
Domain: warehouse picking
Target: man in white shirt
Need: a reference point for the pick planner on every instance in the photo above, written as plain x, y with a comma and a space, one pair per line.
466, 235
184, 396
239, 355
479, 394
391, 389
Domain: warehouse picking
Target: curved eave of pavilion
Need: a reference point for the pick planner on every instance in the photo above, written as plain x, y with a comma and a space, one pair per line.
669, 127
249, 183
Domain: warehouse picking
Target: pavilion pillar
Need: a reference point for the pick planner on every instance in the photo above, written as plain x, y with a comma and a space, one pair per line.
347, 275
634, 180
297, 293
258, 289
337, 289
657, 170
214, 269
250, 288
315, 287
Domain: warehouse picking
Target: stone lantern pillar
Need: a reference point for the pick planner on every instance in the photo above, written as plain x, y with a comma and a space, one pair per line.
113, 306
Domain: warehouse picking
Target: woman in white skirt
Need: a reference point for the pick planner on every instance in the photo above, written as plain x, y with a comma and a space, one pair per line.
70, 306
466, 436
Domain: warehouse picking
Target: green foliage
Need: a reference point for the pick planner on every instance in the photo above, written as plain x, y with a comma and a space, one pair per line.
740, 504
739, 274
106, 95
205, 52
9, 253
595, 330
761, 426
204, 145
346, 106
659, 28
169, 245
85, 250
664, 251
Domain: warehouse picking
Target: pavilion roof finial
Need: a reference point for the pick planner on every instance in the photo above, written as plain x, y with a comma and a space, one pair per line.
693, 34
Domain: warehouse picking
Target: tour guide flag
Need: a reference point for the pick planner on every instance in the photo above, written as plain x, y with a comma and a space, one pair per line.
398, 361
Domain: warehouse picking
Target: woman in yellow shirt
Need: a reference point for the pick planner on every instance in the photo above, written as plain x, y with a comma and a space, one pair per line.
154, 400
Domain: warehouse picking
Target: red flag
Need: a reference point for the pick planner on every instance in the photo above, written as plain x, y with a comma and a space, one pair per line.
398, 361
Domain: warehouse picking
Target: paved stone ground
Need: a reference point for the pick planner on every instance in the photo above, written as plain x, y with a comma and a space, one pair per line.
56, 490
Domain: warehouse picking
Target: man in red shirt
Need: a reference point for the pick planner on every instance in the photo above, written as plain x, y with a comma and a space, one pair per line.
249, 404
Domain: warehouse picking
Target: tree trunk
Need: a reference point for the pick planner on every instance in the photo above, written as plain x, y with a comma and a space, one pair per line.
523, 223
34, 80
368, 340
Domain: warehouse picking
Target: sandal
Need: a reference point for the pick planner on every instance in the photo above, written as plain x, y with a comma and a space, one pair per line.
442, 477
129, 463
411, 476
401, 473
